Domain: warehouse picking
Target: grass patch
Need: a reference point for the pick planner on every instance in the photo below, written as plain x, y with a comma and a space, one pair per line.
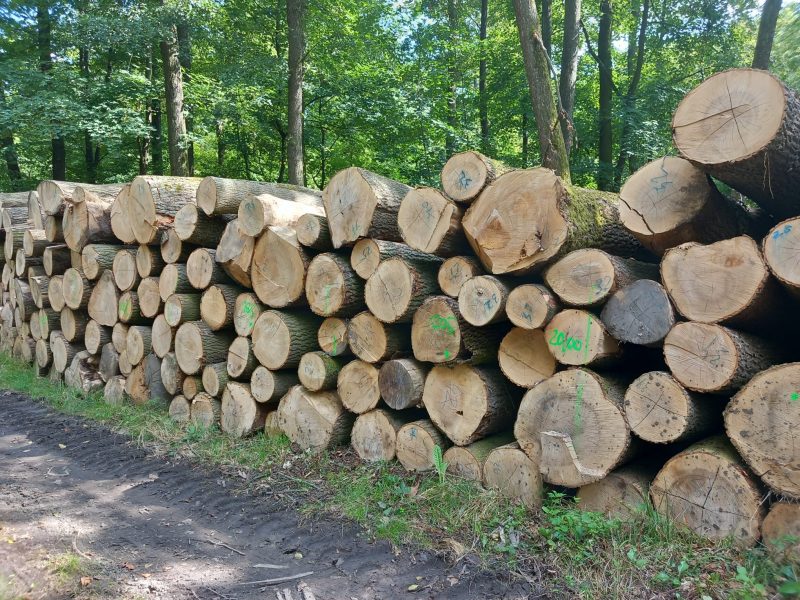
563, 551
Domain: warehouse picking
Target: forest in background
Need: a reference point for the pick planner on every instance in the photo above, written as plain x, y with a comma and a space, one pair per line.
395, 86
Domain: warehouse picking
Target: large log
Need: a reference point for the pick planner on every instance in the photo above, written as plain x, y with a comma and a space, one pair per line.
415, 443
24, 265
621, 495
153, 202
235, 253
707, 488
279, 268
466, 174
374, 342
246, 311
96, 258
54, 194
401, 382
468, 403
218, 196
182, 308
760, 421
39, 285
572, 423
202, 269
577, 337
194, 227
196, 345
281, 338
241, 414
662, 411
139, 343
527, 219
16, 215
171, 375
332, 286
35, 214
76, 289
357, 386
270, 386
374, 435
430, 222
332, 336
63, 351
360, 203
257, 212
317, 371
314, 420
368, 253
590, 276
34, 242
455, 272
742, 126
217, 304
312, 232
55, 293
104, 301
129, 311
715, 359
88, 221
514, 474
524, 357
670, 201
467, 462
73, 324
120, 220
398, 287
725, 282
439, 334
149, 297
639, 313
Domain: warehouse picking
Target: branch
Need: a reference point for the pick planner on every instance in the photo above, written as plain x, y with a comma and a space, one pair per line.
633, 84
594, 55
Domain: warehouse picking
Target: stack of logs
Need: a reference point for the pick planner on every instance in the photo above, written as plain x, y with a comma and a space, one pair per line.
537, 332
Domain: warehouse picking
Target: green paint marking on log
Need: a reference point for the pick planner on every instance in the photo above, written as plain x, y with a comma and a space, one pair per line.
335, 343
795, 396
441, 323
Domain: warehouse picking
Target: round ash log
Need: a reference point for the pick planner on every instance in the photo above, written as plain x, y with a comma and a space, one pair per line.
174, 280
148, 261
206, 410
129, 310
279, 268
246, 311
120, 221
374, 342
34, 242
707, 488
318, 371
760, 421
741, 126
35, 214
180, 410
88, 221
57, 259
241, 360
172, 249
162, 336
38, 286
182, 308
257, 212
54, 194
620, 495
398, 287
357, 386
332, 287
218, 196
44, 357
235, 253
241, 414
196, 345
639, 313
662, 411
374, 435
531, 306
455, 272
281, 338
468, 403
125, 366
524, 357
194, 227
577, 337
270, 386
63, 351
482, 300
715, 359
96, 336
401, 382
191, 386
119, 337
171, 374
430, 222
154, 201
415, 443
467, 462
215, 378
149, 297
573, 425
466, 174
367, 254
76, 289
104, 301
781, 248
96, 258
139, 343
514, 474
73, 324
332, 336
202, 269
314, 420
217, 303
126, 275
313, 232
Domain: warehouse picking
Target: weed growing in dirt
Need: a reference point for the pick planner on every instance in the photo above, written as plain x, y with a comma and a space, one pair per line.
568, 552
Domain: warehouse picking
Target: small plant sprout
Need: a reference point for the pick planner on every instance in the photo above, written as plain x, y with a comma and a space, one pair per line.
439, 463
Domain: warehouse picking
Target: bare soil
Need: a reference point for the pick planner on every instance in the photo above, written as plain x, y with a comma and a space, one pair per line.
141, 526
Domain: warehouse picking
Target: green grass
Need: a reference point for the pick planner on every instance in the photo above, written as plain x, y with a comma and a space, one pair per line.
565, 551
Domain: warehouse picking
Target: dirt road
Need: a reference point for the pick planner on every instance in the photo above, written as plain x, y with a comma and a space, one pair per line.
78, 501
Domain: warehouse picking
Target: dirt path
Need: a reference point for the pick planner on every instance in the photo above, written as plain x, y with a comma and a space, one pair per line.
145, 527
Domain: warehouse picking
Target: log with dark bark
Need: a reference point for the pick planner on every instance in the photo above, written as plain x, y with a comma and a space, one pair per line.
89, 220
398, 287
312, 232
129, 311
193, 227
139, 343
270, 386
153, 202
182, 308
171, 375
241, 414
246, 311
124, 268
120, 220
214, 378
235, 253
34, 242
76, 289
149, 298
174, 280
196, 345
317, 371
280, 338
104, 302
482, 300
172, 249
202, 270
73, 325
639, 313
257, 212
620, 495
149, 261
401, 382
56, 259
332, 336
430, 222
368, 253
241, 360
218, 196
467, 462
96, 336
217, 304
96, 258
163, 336
109, 363
314, 420
206, 410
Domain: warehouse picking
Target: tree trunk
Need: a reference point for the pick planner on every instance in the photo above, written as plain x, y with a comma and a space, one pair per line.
235, 253
119, 338
605, 171
193, 227
126, 275
98, 258
483, 98
73, 325
552, 148
77, 289
180, 410
148, 261
192, 385
296, 37
149, 299
707, 488
357, 386
246, 311
569, 68
270, 386
281, 338
332, 286
782, 253
766, 33
482, 300
531, 306
175, 280
176, 121
512, 472
185, 60
415, 443
216, 196
401, 382
455, 272
120, 219
241, 360
451, 55
129, 311
139, 343
109, 363
639, 313
431, 222
314, 421
56, 260
558, 424
114, 392
524, 358
318, 371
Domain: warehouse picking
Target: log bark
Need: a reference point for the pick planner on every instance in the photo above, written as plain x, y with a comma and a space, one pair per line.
109, 363
528, 219
73, 325
174, 280
742, 127
162, 337
332, 286
368, 253
13, 241
313, 232
246, 311
360, 203
374, 342
467, 462
374, 435
96, 336
660, 410
670, 201
314, 421
760, 422
332, 336
578, 337
270, 386
455, 272
149, 297
482, 300
217, 305
707, 488
241, 414
130, 312
717, 360
193, 227
149, 261
397, 289
559, 424
514, 474
401, 382
279, 268
214, 378
97, 258
203, 270
468, 403
114, 392
180, 410
639, 313
13, 215
27, 266
104, 302
76, 289
281, 338
524, 357
56, 260
318, 372
196, 345
241, 360
430, 222
34, 242
415, 443
257, 212
621, 495
218, 196
182, 308
53, 229
589, 277
439, 334
206, 411
171, 375
466, 174
126, 275
154, 201
357, 386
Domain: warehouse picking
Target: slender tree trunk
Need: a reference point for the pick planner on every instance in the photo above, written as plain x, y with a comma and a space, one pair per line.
173, 88
294, 22
323, 157
282, 167
569, 67
452, 68
483, 99
524, 139
185, 59
156, 129
605, 171
144, 141
44, 35
7, 146
766, 33
89, 153
551, 139
547, 26
220, 130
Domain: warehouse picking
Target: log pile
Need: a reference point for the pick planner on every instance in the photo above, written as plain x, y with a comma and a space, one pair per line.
536, 332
